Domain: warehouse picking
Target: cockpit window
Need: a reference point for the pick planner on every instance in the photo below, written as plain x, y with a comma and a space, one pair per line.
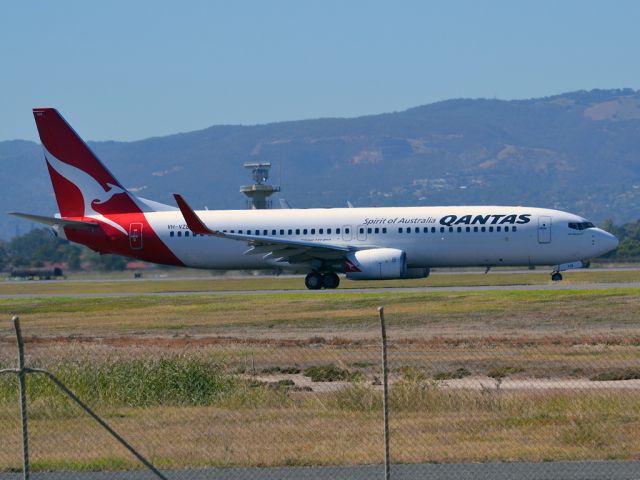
581, 225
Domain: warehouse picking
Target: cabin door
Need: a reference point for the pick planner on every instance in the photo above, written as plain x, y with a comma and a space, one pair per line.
544, 229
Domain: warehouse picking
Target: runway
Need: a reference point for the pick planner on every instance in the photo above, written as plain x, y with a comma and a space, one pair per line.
609, 470
385, 290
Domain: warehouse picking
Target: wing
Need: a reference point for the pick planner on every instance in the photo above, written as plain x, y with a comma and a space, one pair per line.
293, 251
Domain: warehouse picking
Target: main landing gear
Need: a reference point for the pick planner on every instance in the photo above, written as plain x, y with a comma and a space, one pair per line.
556, 276
317, 280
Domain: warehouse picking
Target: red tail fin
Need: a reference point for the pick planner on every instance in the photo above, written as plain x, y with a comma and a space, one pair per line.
82, 184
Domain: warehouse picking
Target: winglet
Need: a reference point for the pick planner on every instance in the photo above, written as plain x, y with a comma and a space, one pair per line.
193, 221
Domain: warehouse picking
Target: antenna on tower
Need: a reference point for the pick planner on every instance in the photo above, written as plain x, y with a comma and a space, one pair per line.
259, 191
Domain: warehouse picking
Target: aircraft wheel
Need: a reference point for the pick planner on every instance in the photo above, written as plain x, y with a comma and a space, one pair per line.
556, 276
330, 280
313, 281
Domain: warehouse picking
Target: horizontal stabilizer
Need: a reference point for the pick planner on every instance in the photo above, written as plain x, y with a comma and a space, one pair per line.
77, 224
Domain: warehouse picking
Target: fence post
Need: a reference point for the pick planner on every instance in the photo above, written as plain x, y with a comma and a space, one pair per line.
385, 395
23, 399
22, 371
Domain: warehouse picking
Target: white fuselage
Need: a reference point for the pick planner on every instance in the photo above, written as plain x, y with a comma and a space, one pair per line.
431, 236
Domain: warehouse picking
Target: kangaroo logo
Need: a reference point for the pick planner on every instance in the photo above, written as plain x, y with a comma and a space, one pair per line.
93, 193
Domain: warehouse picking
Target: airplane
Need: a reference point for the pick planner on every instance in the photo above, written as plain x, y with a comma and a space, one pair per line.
381, 243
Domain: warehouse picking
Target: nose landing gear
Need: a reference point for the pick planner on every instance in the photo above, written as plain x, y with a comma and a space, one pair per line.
317, 280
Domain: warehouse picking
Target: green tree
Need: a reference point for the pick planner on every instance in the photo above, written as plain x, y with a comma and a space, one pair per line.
3, 256
72, 258
107, 262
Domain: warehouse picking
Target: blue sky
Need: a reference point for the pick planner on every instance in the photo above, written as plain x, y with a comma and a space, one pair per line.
126, 70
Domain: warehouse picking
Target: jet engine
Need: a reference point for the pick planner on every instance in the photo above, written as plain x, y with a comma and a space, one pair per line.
380, 264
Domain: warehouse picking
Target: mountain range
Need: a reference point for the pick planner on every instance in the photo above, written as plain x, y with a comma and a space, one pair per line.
577, 151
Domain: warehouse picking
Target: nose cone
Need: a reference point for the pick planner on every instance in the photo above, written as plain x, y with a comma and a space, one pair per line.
607, 242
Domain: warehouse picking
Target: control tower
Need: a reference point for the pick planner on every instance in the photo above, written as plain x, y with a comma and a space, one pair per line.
260, 190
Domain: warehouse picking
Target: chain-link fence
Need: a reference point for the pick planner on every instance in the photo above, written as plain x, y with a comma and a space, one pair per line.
554, 401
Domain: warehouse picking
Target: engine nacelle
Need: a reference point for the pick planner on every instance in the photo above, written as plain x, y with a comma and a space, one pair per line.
417, 273
376, 264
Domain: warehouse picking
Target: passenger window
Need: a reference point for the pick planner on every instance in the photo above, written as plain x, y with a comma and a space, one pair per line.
498, 229
400, 230
384, 229
179, 234
329, 231
266, 232
475, 229
377, 230
248, 232
362, 230
171, 234
304, 231
506, 229
450, 229
491, 229
368, 230
425, 230
240, 231
484, 229
186, 234
233, 231
433, 229
408, 229
459, 229
313, 231
337, 231
321, 231
346, 230
468, 229
441, 229
514, 229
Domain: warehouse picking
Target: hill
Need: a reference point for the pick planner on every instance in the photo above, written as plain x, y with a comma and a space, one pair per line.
576, 151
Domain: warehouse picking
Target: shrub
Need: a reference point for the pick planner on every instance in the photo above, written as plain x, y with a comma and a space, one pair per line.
617, 374
456, 374
329, 373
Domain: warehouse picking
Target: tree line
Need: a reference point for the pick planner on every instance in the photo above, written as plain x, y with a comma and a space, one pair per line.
40, 247
629, 236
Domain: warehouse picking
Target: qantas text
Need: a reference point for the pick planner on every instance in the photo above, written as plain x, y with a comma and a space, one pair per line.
449, 220
485, 219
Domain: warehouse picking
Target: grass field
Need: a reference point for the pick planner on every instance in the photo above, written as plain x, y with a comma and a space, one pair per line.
171, 284
428, 424
432, 313
192, 378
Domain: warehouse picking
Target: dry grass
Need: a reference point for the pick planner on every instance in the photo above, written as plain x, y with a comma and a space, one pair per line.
427, 424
